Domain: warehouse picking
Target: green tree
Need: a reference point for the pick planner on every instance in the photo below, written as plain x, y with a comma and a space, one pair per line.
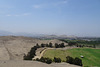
94, 46
62, 45
57, 60
42, 45
50, 45
56, 45
77, 61
69, 59
47, 45
30, 54
37, 45
46, 60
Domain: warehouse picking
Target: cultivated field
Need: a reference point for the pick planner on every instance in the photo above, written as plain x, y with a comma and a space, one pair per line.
91, 56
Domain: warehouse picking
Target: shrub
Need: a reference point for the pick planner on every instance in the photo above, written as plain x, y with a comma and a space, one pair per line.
94, 46
37, 45
57, 60
47, 45
46, 60
42, 45
30, 54
50, 45
59, 45
62, 45
42, 59
72, 43
78, 61
69, 60
56, 45
37, 59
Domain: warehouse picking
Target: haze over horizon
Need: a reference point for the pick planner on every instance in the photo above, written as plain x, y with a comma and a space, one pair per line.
68, 17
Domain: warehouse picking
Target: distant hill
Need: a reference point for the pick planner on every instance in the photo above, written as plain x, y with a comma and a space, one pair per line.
41, 36
5, 33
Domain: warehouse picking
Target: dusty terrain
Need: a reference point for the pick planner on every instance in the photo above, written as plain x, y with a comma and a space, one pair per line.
13, 48
14, 63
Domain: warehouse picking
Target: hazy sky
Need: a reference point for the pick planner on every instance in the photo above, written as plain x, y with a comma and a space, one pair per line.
70, 17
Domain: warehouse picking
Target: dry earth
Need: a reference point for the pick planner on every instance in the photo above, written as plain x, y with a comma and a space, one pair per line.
13, 48
14, 63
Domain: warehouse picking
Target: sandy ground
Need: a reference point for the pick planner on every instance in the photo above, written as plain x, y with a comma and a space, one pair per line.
14, 63
12, 50
15, 47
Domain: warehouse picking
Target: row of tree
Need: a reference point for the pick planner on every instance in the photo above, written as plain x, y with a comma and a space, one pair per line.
69, 59
59, 45
32, 52
80, 45
47, 45
91, 46
48, 60
51, 45
76, 61
57, 60
44, 60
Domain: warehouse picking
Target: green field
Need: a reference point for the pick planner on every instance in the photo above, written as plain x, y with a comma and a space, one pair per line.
91, 56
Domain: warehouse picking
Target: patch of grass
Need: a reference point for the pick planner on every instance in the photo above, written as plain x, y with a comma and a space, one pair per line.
55, 53
91, 56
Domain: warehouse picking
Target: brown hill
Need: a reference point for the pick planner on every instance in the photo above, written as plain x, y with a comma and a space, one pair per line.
14, 47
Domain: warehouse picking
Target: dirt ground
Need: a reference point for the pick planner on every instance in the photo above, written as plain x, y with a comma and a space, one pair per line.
14, 63
13, 48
